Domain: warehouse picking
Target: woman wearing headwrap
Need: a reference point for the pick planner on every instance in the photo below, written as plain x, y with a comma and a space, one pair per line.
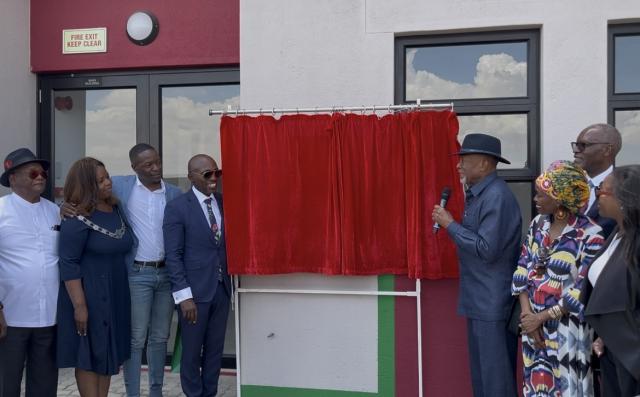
555, 258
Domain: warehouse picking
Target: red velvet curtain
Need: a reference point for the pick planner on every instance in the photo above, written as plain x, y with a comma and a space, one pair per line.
280, 194
429, 140
340, 194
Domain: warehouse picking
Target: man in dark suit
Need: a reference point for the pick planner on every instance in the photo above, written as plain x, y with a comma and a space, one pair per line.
197, 263
595, 150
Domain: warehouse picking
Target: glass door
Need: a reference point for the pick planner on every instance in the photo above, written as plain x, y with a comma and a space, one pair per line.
103, 115
90, 116
186, 129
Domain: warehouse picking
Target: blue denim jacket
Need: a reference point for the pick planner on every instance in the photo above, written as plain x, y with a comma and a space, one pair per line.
488, 246
122, 187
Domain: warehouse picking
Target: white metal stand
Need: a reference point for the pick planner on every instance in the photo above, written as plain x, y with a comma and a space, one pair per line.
236, 303
237, 290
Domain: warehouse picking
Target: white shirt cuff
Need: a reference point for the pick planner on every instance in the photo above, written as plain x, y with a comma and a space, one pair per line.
182, 295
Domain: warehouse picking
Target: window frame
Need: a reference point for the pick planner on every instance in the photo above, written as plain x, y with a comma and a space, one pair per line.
148, 85
624, 101
529, 105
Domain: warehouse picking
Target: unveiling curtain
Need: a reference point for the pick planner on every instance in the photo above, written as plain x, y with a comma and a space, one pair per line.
280, 194
340, 194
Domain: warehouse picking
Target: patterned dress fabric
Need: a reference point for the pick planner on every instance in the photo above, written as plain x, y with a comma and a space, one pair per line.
562, 368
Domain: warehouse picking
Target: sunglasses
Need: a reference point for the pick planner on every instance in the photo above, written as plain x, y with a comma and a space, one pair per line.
601, 192
209, 173
581, 146
33, 174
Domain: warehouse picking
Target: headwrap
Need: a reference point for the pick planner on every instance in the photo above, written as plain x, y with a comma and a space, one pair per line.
565, 182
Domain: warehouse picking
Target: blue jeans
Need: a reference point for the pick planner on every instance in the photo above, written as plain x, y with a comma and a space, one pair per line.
151, 310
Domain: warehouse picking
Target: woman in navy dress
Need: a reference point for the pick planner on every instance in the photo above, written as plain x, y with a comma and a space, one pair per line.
94, 318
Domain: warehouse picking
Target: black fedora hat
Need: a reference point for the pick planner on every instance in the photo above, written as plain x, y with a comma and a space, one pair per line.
477, 143
18, 158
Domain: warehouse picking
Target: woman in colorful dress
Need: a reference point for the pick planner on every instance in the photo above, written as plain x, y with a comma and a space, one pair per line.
94, 317
555, 258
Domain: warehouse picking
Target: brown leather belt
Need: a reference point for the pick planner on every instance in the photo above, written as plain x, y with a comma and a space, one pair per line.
156, 264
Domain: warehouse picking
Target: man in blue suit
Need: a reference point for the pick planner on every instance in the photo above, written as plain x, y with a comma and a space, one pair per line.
197, 261
487, 241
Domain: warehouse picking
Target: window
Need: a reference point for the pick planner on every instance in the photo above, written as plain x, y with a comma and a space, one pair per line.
624, 88
493, 81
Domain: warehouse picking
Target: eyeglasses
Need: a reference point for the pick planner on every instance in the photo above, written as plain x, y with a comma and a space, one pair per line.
580, 146
209, 173
601, 192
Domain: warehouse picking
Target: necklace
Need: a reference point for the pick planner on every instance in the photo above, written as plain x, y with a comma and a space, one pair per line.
118, 234
543, 260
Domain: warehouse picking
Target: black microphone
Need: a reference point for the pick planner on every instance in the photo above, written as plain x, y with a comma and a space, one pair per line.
444, 197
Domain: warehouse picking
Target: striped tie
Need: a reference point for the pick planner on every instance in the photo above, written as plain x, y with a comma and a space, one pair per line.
215, 230
212, 218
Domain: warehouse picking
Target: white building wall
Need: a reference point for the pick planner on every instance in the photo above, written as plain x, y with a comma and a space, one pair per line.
341, 52
17, 84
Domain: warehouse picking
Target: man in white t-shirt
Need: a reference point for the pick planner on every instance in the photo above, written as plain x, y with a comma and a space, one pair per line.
28, 278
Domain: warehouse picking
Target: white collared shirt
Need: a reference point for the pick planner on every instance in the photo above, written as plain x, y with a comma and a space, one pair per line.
185, 293
596, 181
29, 277
214, 206
596, 267
146, 212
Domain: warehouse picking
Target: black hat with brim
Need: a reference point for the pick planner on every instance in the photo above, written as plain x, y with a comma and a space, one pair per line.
477, 143
17, 159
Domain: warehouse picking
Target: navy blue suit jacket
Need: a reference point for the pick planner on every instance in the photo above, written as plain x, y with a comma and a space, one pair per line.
488, 244
192, 254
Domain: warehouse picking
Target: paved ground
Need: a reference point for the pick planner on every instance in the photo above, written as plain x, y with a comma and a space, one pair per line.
67, 384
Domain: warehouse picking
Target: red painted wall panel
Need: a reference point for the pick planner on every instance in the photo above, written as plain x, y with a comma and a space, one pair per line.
192, 33
445, 362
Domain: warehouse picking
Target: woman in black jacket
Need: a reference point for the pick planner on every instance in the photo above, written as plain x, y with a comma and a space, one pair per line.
613, 291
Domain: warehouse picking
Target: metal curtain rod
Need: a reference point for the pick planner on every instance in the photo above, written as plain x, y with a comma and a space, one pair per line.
332, 109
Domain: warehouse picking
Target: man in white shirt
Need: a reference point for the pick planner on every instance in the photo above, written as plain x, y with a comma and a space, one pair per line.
28, 278
143, 197
595, 150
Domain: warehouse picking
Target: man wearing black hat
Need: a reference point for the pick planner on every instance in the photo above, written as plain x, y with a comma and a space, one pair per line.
28, 278
488, 241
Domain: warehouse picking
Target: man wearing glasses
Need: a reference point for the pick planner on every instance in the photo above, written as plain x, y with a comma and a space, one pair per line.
29, 278
595, 150
194, 239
